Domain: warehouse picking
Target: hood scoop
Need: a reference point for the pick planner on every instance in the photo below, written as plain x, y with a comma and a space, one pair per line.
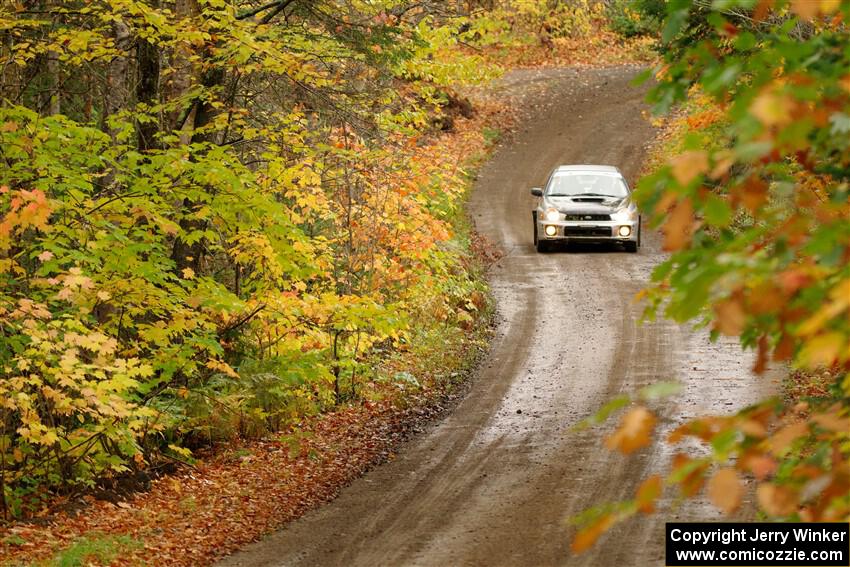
589, 199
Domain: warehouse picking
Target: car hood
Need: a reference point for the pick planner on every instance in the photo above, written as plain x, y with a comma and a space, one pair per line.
591, 205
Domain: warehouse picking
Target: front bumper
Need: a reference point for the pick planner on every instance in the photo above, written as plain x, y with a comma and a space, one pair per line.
587, 231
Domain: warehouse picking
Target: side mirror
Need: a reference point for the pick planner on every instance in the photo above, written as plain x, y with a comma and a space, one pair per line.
537, 191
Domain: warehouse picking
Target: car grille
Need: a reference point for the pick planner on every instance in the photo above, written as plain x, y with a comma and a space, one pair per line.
581, 217
587, 231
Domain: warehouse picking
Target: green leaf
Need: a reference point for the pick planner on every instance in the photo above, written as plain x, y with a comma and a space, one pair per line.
659, 390
604, 412
717, 212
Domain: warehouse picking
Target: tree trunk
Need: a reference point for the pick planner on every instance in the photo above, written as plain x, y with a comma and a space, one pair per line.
182, 76
336, 369
54, 105
147, 59
116, 93
190, 255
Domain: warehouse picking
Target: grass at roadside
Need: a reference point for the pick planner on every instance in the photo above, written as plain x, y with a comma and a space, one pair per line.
94, 549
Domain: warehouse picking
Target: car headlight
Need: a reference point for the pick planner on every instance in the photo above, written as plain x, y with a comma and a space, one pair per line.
552, 215
624, 215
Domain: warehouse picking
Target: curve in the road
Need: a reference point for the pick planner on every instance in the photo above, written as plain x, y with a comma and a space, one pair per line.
493, 483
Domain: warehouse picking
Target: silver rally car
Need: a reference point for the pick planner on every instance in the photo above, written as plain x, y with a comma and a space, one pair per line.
585, 203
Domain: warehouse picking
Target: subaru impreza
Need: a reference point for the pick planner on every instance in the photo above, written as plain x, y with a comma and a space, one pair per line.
585, 203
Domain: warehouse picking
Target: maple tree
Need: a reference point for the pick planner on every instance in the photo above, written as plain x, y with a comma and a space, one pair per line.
754, 207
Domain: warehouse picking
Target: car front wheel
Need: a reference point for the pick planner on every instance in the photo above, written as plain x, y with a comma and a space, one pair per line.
633, 245
640, 224
540, 245
534, 224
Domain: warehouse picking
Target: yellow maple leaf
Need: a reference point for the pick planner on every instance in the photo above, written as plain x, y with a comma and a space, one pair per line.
822, 350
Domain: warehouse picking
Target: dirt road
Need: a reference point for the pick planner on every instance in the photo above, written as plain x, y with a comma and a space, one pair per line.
493, 483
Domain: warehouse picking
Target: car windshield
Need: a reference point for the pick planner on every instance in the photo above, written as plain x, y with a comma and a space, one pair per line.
582, 183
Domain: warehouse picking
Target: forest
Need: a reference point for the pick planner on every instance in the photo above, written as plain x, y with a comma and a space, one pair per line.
217, 218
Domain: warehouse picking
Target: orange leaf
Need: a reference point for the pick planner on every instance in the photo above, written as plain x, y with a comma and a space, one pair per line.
679, 433
648, 491
729, 317
761, 360
762, 9
725, 490
688, 166
752, 428
634, 431
776, 500
760, 465
764, 299
679, 225
722, 166
782, 439
784, 349
695, 478
806, 9
586, 537
793, 279
832, 421
752, 193
665, 203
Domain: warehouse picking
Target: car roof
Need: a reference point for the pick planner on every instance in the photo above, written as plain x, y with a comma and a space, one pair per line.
589, 168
